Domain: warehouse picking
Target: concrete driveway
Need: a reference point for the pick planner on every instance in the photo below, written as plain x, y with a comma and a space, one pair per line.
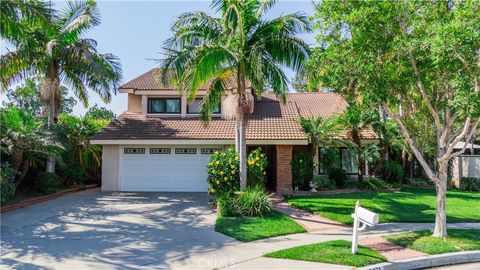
94, 230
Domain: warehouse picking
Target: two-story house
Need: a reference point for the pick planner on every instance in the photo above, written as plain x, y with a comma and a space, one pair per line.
160, 144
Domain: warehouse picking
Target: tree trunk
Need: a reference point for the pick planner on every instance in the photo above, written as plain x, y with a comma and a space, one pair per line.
23, 172
361, 162
441, 211
50, 167
242, 150
51, 95
237, 136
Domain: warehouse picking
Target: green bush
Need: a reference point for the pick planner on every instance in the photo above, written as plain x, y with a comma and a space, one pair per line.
226, 205
470, 184
47, 183
251, 202
393, 172
374, 183
223, 175
419, 182
256, 165
338, 175
7, 187
302, 170
324, 183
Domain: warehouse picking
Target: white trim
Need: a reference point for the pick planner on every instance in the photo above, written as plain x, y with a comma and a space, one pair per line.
198, 142
124, 90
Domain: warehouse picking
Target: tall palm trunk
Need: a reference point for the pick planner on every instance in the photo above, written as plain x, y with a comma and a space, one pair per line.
242, 117
242, 150
51, 96
441, 209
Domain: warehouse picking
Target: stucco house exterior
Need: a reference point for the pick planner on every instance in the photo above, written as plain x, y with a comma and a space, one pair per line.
160, 143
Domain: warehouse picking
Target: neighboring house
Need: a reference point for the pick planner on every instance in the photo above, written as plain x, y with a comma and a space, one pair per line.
161, 144
467, 164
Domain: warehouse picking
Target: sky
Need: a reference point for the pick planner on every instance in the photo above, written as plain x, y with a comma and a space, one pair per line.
135, 30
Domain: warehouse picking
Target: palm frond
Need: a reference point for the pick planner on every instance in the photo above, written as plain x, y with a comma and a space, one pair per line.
79, 16
101, 73
264, 6
15, 67
210, 62
19, 17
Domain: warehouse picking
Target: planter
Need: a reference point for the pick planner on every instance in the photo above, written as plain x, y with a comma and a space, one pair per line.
40, 199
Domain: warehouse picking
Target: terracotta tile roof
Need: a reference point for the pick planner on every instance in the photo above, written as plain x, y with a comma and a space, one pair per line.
150, 80
270, 120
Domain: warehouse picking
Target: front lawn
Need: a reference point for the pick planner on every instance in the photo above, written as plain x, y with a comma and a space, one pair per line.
335, 252
248, 229
423, 241
407, 205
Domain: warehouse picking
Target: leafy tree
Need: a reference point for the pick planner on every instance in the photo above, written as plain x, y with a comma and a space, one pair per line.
24, 140
300, 81
240, 46
27, 97
419, 61
56, 50
100, 113
80, 159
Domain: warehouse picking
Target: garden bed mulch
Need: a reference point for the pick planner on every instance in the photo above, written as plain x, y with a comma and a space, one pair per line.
27, 202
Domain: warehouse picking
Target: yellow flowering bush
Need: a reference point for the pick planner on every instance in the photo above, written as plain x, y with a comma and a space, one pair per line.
223, 175
256, 166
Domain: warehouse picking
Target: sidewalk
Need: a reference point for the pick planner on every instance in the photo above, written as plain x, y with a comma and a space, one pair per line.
243, 255
370, 238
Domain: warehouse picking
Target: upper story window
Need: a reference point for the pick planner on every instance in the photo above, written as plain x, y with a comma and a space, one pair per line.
194, 107
164, 105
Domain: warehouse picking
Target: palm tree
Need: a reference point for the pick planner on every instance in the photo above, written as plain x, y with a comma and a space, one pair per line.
354, 119
321, 132
238, 47
24, 139
57, 50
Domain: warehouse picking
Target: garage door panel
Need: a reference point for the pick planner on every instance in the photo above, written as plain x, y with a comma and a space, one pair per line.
164, 172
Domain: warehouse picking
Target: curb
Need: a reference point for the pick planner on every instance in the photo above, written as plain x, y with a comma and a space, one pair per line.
45, 198
428, 261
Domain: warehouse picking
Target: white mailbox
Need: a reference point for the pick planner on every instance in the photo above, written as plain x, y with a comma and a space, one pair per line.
364, 216
367, 216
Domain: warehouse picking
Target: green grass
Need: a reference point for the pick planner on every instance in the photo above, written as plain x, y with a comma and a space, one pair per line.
407, 205
248, 229
335, 252
423, 241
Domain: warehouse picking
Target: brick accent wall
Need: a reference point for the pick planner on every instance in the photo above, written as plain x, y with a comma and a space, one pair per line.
284, 171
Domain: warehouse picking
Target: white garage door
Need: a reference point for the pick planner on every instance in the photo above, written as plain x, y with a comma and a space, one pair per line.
165, 168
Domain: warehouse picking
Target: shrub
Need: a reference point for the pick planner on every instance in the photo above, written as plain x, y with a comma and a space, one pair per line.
251, 202
47, 183
338, 175
393, 172
223, 175
256, 165
226, 205
419, 182
470, 184
374, 183
302, 170
7, 187
324, 183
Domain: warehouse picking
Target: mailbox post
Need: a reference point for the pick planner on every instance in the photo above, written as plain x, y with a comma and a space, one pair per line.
364, 216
